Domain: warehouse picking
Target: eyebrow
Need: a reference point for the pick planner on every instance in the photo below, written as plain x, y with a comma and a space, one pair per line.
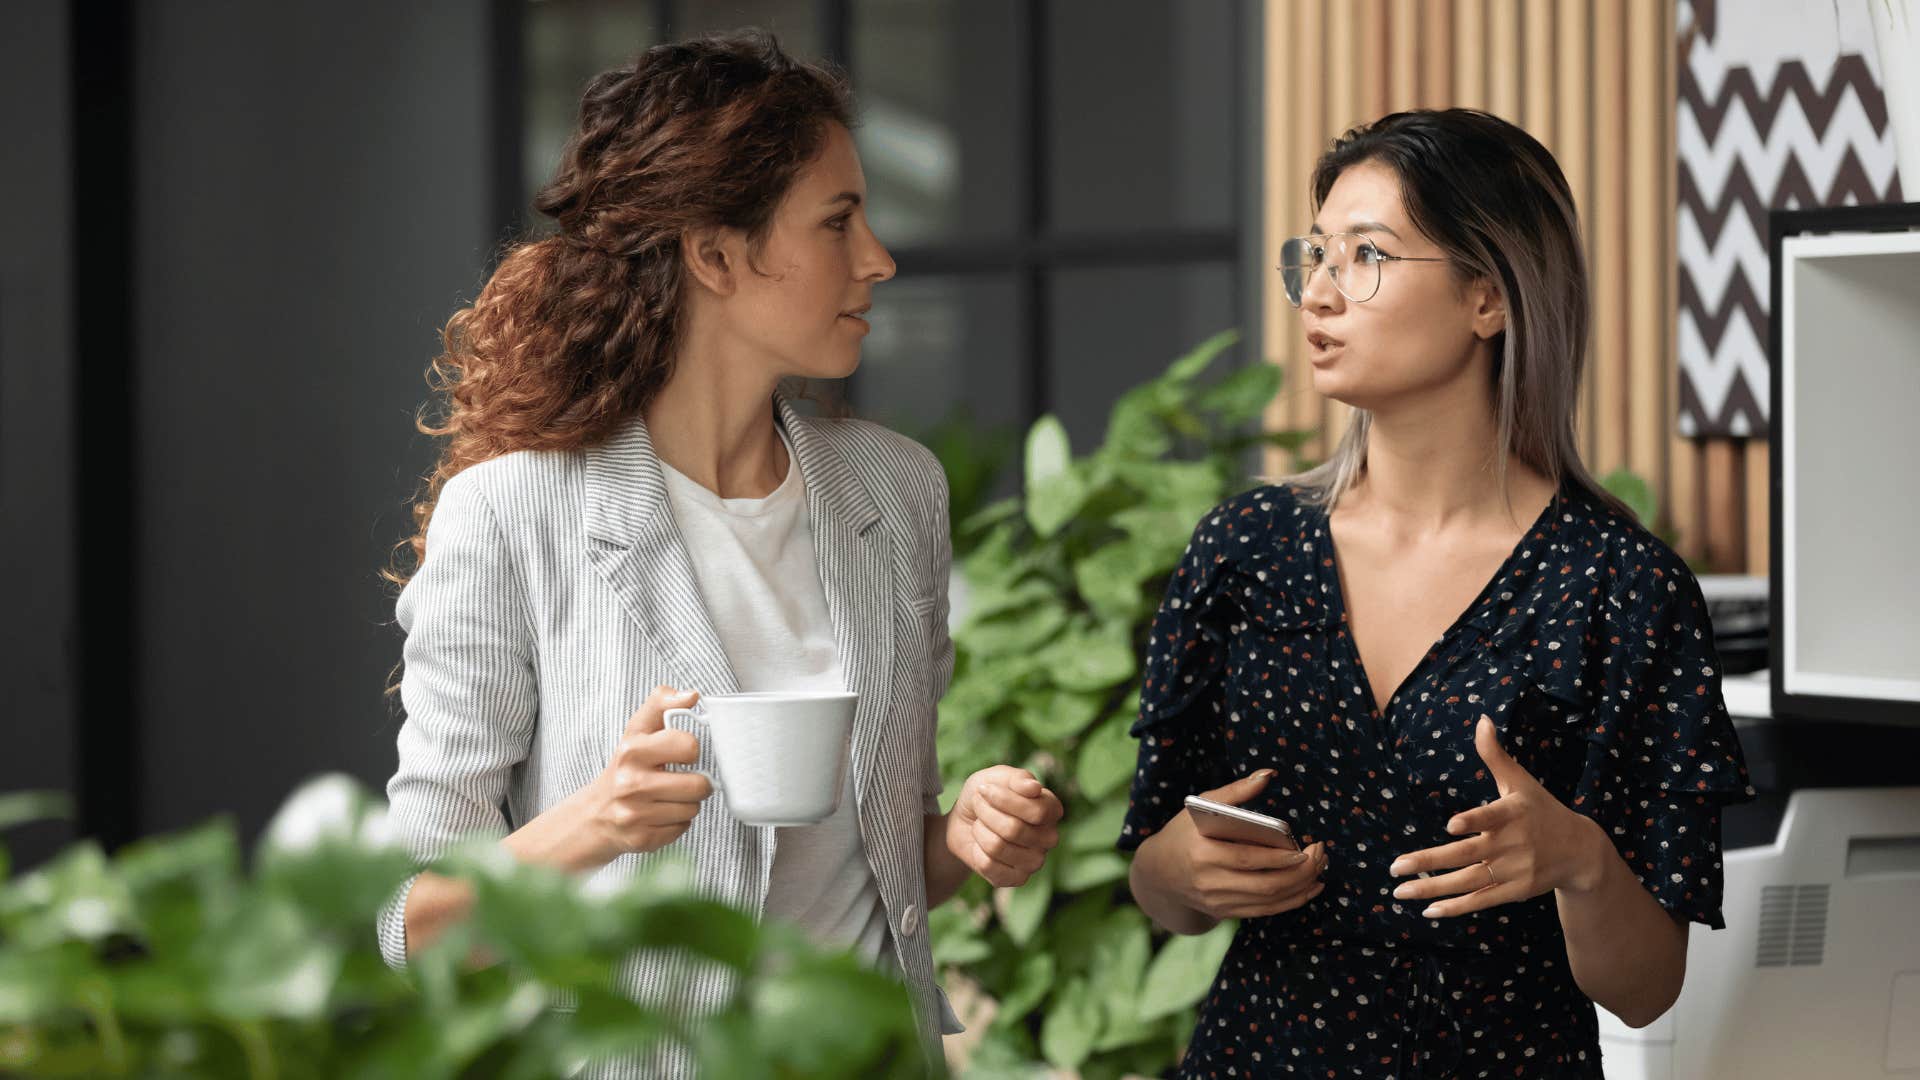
851, 198
1359, 227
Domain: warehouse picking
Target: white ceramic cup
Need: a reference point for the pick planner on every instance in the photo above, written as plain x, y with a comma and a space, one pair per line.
781, 757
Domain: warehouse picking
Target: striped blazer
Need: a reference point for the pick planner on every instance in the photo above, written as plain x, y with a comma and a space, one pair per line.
556, 594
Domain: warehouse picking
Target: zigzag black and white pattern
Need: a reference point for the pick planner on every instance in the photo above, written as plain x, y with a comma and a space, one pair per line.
1744, 148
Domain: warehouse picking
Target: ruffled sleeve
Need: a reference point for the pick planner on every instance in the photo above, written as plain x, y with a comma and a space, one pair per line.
1185, 662
1667, 760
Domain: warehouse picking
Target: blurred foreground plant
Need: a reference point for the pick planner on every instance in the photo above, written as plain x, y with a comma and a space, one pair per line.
167, 959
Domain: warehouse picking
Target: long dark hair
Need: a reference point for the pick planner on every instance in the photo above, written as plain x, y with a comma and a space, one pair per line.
1496, 202
576, 332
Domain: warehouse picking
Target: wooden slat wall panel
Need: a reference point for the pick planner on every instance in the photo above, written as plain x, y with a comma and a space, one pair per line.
1572, 144
1758, 489
1285, 193
1607, 257
1436, 53
1503, 59
1648, 251
1593, 80
1308, 138
1725, 494
1469, 53
1537, 54
1402, 32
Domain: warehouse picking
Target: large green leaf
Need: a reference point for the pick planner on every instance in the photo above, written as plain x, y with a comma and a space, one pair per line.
1011, 598
817, 1017
969, 744
1161, 533
1089, 656
1134, 428
76, 895
1048, 451
1021, 909
1031, 982
956, 940
1186, 488
1094, 829
1012, 631
1119, 965
1055, 490
1202, 355
268, 963
1072, 1024
1634, 490
1183, 971
1111, 579
1088, 870
1075, 931
20, 807
1057, 715
1243, 395
1107, 757
1058, 499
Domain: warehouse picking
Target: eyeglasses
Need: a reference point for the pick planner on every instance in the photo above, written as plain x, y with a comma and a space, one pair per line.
1352, 261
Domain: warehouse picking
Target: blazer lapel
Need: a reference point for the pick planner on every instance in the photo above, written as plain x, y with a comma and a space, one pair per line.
855, 563
635, 546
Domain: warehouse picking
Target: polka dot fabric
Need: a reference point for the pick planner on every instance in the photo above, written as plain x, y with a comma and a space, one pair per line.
1591, 650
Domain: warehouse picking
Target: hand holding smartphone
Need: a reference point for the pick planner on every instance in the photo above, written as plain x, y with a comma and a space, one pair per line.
1221, 821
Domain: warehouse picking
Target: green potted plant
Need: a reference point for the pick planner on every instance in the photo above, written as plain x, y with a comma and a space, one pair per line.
168, 959
1062, 583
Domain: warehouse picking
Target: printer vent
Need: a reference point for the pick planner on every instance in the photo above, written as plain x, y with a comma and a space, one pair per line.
1793, 926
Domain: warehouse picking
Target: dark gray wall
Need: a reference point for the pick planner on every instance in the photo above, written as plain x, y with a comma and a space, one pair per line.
37, 692
312, 201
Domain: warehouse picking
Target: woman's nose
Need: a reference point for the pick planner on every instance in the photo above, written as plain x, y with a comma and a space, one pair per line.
876, 265
1319, 293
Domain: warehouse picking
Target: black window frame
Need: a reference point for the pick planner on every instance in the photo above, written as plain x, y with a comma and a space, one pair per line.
1034, 251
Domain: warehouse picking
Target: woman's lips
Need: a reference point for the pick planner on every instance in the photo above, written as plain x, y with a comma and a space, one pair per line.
1323, 347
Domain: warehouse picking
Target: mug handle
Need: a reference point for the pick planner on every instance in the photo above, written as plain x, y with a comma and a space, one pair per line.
693, 716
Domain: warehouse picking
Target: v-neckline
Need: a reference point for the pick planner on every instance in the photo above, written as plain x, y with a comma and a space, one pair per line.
1336, 589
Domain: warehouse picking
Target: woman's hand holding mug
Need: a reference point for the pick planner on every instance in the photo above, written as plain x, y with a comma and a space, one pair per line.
637, 804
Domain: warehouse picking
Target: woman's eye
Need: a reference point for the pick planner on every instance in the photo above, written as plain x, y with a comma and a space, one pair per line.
838, 224
1369, 254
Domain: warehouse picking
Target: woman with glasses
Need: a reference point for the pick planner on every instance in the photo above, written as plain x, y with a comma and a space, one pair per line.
1485, 697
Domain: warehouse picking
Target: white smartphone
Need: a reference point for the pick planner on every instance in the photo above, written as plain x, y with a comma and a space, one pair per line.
1219, 821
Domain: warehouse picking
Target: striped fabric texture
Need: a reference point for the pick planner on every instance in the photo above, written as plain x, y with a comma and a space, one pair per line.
556, 594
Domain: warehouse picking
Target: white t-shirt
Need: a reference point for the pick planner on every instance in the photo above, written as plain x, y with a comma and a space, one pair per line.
753, 562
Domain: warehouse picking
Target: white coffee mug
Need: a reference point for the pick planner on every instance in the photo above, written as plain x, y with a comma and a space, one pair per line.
781, 756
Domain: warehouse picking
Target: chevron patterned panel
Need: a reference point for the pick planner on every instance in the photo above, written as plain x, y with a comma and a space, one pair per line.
1648, 105
1799, 133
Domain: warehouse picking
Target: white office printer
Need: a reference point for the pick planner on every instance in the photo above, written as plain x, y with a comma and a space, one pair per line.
1818, 971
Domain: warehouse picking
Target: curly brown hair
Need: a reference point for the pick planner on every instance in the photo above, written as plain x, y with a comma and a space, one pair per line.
576, 332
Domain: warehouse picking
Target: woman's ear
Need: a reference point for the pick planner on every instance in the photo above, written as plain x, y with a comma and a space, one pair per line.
1489, 308
710, 258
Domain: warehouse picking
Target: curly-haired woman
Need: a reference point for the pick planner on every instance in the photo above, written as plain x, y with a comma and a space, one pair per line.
626, 503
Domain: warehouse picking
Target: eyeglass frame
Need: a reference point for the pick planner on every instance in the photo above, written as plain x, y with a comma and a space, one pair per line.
1364, 239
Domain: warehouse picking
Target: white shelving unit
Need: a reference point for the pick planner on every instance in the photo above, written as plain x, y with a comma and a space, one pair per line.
1849, 413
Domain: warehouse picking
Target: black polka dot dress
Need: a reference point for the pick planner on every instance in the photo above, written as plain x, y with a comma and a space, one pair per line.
1591, 650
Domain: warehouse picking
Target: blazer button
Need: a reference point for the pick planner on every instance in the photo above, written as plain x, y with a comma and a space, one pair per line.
909, 921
